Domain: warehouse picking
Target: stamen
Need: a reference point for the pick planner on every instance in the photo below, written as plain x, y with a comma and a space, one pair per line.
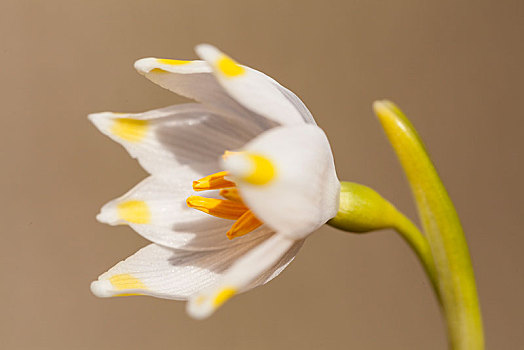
220, 208
213, 182
231, 194
246, 223
259, 171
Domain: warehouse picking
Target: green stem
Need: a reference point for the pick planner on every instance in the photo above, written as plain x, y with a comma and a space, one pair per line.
362, 209
441, 224
418, 242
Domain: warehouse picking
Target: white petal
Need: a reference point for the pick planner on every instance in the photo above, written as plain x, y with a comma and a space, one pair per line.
296, 101
168, 273
164, 138
255, 90
194, 80
269, 258
274, 271
303, 192
156, 208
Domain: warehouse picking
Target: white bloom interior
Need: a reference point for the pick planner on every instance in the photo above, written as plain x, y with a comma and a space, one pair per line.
304, 192
280, 183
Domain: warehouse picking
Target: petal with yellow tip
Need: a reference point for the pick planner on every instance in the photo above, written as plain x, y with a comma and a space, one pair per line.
133, 130
134, 211
195, 80
255, 90
228, 67
254, 168
262, 263
165, 138
175, 274
171, 222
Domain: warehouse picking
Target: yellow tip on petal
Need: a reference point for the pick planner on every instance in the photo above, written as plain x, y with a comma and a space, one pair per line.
228, 154
132, 130
229, 67
223, 295
172, 62
126, 281
252, 168
134, 211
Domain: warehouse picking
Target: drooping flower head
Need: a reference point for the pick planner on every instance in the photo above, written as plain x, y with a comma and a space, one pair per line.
238, 180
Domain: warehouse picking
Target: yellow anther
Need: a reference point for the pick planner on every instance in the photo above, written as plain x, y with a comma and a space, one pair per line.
129, 129
213, 182
223, 295
134, 211
252, 168
229, 67
262, 171
245, 224
221, 208
231, 194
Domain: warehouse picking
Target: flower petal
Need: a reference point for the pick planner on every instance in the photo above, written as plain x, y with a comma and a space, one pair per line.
267, 259
156, 208
164, 138
255, 90
195, 80
168, 273
287, 177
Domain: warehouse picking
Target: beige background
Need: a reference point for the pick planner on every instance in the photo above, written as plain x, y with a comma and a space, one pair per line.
454, 67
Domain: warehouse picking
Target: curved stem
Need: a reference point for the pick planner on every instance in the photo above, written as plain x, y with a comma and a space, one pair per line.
362, 209
419, 243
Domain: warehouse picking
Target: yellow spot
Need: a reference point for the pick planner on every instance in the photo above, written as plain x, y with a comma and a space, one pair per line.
127, 294
223, 296
125, 281
172, 62
132, 130
134, 211
246, 223
158, 70
213, 182
217, 207
229, 67
262, 172
200, 299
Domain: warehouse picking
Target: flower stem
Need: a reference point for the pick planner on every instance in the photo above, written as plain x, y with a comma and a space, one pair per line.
419, 243
444, 232
362, 210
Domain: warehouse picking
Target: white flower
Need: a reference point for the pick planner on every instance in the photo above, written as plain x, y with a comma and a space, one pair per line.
271, 170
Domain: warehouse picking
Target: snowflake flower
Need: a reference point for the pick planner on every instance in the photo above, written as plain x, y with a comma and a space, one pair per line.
238, 181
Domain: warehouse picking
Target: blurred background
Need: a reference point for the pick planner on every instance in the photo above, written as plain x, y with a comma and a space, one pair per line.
454, 67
